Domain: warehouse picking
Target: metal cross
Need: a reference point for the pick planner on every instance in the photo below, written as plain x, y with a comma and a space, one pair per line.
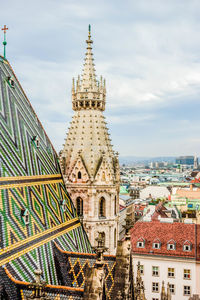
4, 42
4, 28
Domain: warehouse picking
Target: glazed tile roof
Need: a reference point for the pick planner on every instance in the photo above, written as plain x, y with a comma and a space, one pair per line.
77, 264
35, 208
74, 266
178, 232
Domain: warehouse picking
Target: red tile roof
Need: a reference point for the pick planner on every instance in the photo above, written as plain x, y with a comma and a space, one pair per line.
140, 206
159, 211
179, 232
121, 207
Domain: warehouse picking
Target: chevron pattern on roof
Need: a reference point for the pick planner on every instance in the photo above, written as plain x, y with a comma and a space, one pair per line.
35, 208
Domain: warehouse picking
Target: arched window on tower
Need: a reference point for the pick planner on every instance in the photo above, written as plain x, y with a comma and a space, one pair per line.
115, 206
79, 206
115, 238
79, 175
102, 208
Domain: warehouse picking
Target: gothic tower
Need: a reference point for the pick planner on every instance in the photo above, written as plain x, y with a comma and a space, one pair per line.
89, 164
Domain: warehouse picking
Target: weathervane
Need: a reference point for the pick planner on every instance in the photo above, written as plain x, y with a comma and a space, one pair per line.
4, 42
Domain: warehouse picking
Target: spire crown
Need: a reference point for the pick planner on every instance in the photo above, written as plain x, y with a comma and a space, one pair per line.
4, 42
89, 93
89, 41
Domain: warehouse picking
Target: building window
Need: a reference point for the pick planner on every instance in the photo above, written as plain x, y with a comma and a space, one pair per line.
142, 269
171, 246
140, 244
172, 288
186, 274
79, 206
171, 272
186, 290
187, 247
155, 287
79, 175
156, 245
102, 212
155, 298
155, 271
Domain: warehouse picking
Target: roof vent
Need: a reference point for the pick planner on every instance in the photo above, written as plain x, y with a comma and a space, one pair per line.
11, 81
36, 141
25, 216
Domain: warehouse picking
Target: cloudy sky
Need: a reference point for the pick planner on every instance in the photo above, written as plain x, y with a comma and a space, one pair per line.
148, 51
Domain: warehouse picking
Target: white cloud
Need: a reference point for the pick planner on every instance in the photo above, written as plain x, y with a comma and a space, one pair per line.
148, 51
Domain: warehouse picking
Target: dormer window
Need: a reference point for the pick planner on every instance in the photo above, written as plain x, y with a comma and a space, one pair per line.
63, 205
25, 216
187, 246
11, 81
141, 243
36, 141
171, 245
156, 244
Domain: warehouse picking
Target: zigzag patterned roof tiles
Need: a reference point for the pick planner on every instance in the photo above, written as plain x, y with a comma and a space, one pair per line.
35, 208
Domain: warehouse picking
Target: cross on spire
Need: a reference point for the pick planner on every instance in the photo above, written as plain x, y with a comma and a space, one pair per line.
4, 29
4, 42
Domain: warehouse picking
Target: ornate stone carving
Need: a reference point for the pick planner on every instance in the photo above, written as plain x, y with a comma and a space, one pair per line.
90, 165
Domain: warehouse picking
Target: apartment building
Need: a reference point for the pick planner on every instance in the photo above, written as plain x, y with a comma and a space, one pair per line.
167, 250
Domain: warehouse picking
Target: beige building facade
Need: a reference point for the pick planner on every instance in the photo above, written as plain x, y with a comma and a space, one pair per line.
90, 166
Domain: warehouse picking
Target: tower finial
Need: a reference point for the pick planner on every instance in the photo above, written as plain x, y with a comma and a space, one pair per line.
4, 42
89, 31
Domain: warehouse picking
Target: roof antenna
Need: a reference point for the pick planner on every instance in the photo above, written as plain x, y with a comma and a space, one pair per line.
4, 42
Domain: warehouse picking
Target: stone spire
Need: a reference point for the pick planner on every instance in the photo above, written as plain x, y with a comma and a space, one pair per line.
139, 286
95, 276
38, 288
165, 295
89, 93
90, 166
123, 279
88, 76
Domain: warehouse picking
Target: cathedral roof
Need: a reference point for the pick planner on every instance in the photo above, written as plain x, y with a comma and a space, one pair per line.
35, 208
